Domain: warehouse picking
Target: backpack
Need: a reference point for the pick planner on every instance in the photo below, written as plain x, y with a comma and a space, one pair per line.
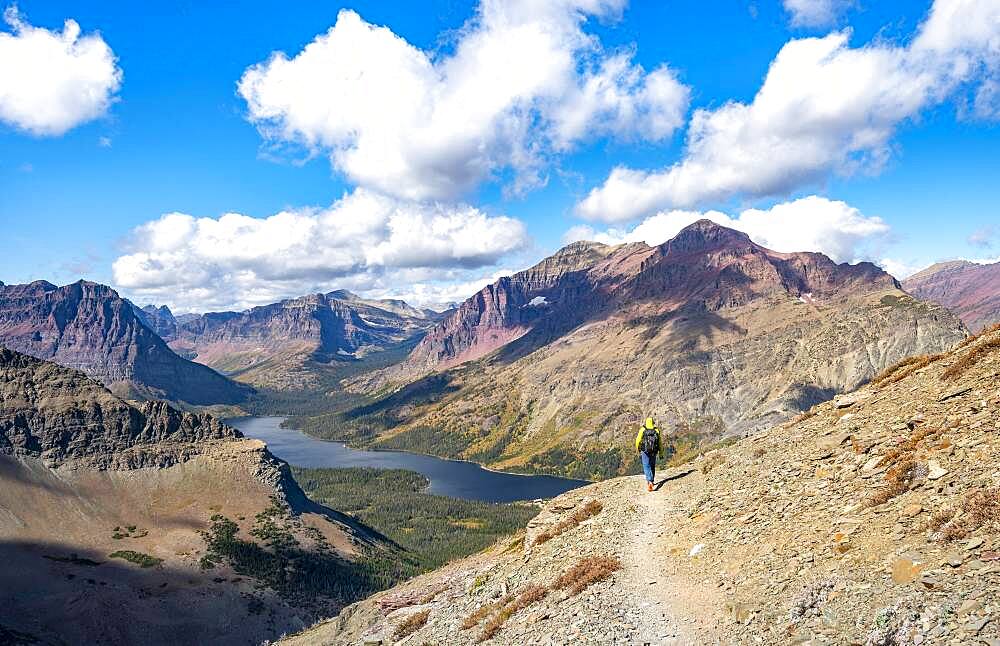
650, 441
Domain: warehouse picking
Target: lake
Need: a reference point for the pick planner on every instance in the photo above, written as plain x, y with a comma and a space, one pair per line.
447, 477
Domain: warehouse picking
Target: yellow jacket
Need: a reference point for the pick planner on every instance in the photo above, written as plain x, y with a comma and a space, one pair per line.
638, 438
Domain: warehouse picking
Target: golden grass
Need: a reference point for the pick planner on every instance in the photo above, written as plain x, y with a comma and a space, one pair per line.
592, 508
903, 369
531, 595
972, 338
587, 572
909, 446
971, 358
898, 480
412, 624
481, 613
979, 509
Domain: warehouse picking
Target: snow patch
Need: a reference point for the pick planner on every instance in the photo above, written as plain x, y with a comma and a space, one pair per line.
538, 301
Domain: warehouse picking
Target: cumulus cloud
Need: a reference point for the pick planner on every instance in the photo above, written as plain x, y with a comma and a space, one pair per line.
812, 223
522, 83
816, 13
823, 107
364, 241
52, 81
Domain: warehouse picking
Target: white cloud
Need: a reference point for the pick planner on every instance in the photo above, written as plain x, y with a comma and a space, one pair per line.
901, 269
812, 223
523, 82
53, 81
823, 107
363, 242
816, 13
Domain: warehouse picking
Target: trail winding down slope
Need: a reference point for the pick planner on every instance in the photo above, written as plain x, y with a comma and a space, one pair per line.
873, 519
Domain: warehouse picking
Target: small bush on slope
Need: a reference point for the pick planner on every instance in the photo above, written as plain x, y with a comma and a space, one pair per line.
413, 623
592, 508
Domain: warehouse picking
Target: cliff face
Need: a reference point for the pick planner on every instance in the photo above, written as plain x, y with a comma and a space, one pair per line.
273, 345
969, 289
60, 415
117, 517
89, 327
709, 332
873, 520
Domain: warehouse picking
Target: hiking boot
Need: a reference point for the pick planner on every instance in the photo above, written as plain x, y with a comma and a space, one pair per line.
649, 486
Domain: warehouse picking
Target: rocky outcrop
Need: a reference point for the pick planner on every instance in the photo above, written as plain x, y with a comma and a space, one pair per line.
871, 520
969, 289
59, 415
714, 335
87, 326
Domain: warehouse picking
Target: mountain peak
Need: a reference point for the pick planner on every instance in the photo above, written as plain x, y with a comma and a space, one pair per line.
705, 234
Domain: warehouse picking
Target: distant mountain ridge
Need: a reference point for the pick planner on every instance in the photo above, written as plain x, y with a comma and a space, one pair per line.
271, 344
971, 290
89, 327
547, 370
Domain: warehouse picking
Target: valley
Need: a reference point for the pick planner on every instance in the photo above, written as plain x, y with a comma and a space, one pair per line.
383, 442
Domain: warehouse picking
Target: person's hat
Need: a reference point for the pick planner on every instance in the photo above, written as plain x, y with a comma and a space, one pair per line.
650, 424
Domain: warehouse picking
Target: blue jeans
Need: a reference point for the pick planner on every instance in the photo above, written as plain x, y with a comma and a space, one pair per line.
648, 465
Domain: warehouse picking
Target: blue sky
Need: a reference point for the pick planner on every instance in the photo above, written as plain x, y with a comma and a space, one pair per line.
171, 132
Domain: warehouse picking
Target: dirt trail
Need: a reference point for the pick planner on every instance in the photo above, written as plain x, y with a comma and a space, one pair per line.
673, 610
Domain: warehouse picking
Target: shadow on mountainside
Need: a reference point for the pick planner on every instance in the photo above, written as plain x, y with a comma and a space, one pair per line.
62, 599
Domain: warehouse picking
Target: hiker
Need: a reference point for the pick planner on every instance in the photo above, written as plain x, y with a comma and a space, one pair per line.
649, 444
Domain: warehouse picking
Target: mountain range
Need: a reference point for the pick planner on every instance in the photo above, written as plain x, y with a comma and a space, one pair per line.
89, 327
710, 333
284, 345
127, 524
969, 289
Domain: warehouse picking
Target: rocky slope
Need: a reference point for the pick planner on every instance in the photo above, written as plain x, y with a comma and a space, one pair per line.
89, 327
874, 519
709, 332
107, 510
969, 289
276, 345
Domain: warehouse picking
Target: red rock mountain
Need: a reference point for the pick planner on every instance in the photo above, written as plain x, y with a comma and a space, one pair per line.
548, 369
969, 289
706, 267
89, 327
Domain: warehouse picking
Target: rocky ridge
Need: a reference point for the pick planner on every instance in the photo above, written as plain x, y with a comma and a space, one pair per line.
89, 327
89, 479
969, 289
873, 519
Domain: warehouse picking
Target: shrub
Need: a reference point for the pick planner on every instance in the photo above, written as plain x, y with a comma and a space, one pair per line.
971, 358
898, 480
140, 559
531, 595
979, 509
480, 613
904, 368
587, 572
590, 509
413, 623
